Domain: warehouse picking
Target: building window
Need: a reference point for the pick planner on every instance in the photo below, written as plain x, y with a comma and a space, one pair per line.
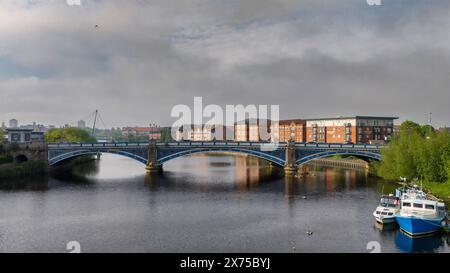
15, 137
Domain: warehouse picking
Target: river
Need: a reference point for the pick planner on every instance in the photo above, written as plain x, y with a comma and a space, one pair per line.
203, 203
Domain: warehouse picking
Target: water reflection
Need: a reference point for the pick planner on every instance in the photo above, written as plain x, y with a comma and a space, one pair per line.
203, 203
430, 243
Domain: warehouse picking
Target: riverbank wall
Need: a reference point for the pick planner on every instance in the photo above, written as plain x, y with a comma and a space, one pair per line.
341, 163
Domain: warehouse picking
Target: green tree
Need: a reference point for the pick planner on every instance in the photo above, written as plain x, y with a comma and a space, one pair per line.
426, 130
166, 135
419, 152
70, 134
408, 127
2, 135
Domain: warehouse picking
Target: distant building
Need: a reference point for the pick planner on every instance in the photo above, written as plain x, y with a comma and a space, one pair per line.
152, 133
13, 123
37, 136
357, 129
285, 130
251, 129
17, 135
444, 129
241, 130
3, 125
81, 124
201, 133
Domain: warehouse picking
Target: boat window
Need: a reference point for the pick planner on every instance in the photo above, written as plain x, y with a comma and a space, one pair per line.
406, 204
384, 213
378, 212
390, 213
417, 205
429, 206
389, 202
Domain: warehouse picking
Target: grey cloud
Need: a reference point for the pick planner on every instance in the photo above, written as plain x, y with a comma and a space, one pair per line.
314, 58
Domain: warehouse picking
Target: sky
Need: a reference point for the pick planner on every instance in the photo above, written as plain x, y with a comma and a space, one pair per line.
314, 58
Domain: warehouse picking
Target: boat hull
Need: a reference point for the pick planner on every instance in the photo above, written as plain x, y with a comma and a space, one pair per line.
417, 226
385, 220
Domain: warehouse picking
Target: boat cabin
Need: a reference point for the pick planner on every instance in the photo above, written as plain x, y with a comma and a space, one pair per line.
389, 201
430, 208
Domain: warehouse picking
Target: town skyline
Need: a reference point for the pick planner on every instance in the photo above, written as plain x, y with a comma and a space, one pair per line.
313, 58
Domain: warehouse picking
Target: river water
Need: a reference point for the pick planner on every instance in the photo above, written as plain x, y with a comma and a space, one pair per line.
203, 203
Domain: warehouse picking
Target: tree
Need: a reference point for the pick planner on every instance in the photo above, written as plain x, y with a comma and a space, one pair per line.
70, 134
2, 135
408, 127
419, 152
427, 130
166, 135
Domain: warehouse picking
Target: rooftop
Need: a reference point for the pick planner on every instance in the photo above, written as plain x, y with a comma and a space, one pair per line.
289, 121
353, 117
18, 130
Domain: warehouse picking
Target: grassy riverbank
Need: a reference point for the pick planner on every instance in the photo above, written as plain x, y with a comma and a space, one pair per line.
31, 168
441, 190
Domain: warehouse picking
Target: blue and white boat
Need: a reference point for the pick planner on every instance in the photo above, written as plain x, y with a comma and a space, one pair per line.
420, 213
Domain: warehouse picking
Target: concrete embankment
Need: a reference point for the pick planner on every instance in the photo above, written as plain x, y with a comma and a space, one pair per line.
341, 162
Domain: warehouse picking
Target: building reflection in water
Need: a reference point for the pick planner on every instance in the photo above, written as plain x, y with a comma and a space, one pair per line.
250, 171
316, 179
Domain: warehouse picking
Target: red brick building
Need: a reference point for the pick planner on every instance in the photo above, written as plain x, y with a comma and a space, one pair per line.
285, 130
358, 129
153, 133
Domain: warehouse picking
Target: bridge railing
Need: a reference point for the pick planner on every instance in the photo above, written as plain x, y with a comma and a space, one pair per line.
208, 143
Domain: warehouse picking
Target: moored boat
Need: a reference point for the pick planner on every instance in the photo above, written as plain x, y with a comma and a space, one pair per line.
387, 209
420, 213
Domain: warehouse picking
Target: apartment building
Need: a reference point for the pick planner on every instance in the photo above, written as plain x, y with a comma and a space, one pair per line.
288, 129
252, 130
201, 133
153, 133
357, 129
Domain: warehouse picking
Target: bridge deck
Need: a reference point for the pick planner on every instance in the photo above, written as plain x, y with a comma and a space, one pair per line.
208, 144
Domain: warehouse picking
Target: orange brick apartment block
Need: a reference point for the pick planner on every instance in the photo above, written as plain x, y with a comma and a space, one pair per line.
358, 129
285, 130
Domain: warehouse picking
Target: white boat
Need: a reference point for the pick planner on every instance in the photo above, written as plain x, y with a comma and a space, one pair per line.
387, 209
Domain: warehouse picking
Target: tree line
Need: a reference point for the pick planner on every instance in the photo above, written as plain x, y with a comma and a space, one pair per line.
417, 152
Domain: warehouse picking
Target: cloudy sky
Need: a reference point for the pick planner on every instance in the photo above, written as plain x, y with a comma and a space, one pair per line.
314, 58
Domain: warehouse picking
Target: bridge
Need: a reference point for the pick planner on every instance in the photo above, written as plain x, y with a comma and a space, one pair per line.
286, 155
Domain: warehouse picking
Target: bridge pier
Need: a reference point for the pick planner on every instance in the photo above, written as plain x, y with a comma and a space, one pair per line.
290, 167
152, 162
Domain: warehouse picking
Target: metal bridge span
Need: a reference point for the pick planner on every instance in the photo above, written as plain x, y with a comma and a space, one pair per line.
154, 155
